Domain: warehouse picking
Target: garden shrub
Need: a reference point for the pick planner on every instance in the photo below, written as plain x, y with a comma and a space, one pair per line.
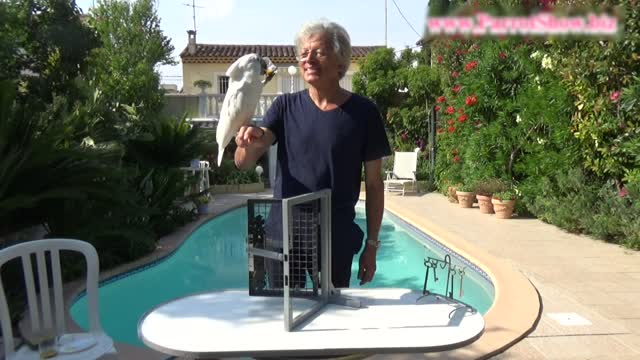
228, 174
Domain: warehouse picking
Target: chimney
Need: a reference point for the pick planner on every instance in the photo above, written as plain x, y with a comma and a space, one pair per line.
191, 46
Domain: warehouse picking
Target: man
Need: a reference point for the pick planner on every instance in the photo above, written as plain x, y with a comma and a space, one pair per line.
325, 134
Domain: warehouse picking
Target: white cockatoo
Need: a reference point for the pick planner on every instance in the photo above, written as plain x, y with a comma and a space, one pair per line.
243, 94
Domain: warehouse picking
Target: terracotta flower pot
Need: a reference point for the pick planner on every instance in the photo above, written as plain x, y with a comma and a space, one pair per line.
451, 194
486, 206
503, 208
465, 199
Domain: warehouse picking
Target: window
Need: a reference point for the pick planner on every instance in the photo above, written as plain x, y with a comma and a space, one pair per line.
223, 84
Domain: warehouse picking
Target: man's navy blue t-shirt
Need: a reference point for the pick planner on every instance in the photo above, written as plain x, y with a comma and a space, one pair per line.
326, 149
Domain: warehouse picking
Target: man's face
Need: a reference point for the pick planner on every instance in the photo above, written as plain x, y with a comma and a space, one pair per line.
318, 62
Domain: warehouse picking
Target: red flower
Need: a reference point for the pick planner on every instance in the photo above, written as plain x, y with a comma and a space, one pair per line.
456, 88
456, 159
450, 110
471, 65
451, 129
471, 100
547, 4
439, 59
502, 55
623, 192
441, 99
440, 130
462, 118
614, 96
437, 107
450, 121
455, 74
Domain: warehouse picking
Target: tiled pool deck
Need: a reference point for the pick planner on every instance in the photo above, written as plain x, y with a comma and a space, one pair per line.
573, 274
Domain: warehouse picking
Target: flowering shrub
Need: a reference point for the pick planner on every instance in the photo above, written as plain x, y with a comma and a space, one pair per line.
528, 112
603, 78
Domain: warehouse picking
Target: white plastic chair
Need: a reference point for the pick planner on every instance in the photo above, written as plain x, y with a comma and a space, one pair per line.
405, 165
39, 304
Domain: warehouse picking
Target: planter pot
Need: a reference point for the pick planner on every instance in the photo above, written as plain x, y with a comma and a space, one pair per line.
224, 189
203, 209
465, 199
237, 188
503, 208
251, 188
451, 194
486, 206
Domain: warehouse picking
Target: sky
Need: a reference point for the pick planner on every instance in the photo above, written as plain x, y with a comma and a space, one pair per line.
275, 22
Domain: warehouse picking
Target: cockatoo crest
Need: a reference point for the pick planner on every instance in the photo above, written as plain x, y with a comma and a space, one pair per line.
240, 101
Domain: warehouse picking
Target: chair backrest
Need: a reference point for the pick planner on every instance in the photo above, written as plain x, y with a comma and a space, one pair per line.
42, 301
405, 164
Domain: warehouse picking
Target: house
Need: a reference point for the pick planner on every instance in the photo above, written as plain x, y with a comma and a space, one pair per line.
208, 63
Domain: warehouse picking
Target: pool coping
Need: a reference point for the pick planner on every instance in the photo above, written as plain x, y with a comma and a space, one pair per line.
502, 328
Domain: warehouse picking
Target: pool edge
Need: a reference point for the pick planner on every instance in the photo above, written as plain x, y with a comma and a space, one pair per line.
503, 326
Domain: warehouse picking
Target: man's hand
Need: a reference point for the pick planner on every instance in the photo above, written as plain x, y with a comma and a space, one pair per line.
247, 135
367, 265
252, 143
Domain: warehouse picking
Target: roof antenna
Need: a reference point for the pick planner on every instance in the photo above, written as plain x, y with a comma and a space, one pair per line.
193, 6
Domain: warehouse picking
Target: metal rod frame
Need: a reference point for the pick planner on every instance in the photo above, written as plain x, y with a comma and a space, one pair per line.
291, 322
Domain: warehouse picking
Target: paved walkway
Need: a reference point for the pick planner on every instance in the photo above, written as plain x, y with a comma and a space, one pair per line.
573, 274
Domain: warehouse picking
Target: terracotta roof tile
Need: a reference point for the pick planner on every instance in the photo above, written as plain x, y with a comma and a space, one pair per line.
219, 53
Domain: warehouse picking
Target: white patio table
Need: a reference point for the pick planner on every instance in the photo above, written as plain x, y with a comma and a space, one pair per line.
231, 323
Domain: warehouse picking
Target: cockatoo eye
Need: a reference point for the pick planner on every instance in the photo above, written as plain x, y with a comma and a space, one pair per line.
263, 66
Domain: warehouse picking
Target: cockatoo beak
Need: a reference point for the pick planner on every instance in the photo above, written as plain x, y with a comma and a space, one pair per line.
270, 73
271, 70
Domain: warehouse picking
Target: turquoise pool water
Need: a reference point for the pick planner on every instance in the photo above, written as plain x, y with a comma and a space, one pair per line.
214, 257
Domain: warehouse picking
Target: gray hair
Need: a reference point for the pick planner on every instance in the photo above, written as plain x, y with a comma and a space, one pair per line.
337, 35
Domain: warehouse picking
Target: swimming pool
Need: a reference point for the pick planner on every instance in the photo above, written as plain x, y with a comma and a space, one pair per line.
214, 257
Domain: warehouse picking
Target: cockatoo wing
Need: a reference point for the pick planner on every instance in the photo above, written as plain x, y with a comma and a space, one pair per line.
238, 108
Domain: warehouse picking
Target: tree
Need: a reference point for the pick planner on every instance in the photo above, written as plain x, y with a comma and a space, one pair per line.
377, 79
133, 45
44, 43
